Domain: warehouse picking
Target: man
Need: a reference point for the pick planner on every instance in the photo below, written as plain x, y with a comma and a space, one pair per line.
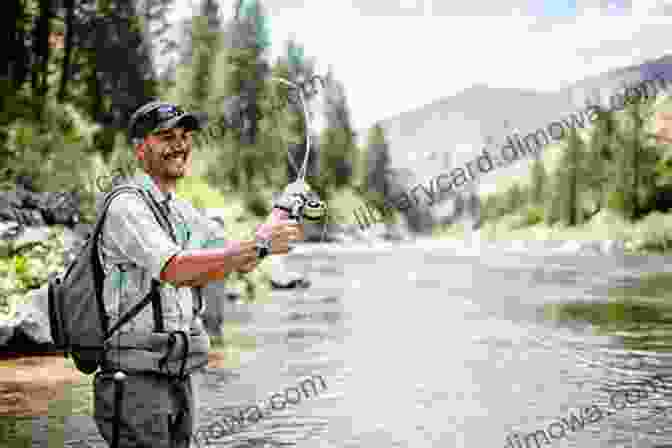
158, 406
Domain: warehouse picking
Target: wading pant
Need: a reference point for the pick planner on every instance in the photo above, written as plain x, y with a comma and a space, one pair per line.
156, 411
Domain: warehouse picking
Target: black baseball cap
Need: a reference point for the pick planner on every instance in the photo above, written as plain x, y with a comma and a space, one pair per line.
157, 115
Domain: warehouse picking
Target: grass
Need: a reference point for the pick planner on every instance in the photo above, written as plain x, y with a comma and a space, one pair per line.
641, 314
652, 234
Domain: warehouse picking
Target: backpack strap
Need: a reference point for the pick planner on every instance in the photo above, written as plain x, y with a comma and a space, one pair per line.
154, 295
98, 273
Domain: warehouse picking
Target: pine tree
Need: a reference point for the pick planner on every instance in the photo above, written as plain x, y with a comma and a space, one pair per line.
515, 198
377, 162
337, 145
205, 45
642, 159
569, 180
377, 187
155, 24
240, 95
539, 180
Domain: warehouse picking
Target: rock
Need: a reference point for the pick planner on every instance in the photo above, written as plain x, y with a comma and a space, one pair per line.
8, 213
31, 236
10, 199
9, 230
33, 323
30, 321
30, 199
281, 278
298, 282
30, 217
60, 208
7, 327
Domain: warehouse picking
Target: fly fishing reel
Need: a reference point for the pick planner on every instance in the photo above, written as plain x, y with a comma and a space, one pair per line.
300, 202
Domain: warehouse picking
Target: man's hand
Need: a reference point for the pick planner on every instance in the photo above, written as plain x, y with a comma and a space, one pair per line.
280, 234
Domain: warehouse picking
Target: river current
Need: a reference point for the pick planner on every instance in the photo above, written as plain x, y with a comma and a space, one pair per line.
422, 345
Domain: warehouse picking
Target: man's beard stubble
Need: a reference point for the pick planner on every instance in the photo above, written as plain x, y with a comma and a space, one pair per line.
160, 167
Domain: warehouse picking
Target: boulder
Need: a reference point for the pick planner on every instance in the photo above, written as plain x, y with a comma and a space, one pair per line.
9, 230
9, 199
7, 327
30, 217
60, 208
30, 237
27, 208
29, 323
282, 278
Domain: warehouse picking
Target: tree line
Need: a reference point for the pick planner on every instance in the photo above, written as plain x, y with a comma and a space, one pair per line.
618, 165
77, 69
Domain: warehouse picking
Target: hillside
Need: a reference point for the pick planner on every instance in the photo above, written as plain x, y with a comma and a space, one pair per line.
449, 131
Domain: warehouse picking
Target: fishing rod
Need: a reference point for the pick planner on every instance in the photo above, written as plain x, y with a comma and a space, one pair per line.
298, 202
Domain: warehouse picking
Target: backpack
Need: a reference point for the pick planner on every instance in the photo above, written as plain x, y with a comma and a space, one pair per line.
79, 323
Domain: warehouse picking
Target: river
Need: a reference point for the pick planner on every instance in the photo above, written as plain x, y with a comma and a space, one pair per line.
423, 345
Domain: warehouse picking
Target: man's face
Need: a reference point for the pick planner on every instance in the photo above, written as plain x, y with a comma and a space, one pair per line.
56, 39
167, 153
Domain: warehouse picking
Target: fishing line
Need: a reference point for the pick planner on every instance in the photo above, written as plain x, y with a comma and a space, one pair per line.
301, 173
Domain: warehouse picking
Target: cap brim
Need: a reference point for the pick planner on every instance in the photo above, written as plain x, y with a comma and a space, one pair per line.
191, 121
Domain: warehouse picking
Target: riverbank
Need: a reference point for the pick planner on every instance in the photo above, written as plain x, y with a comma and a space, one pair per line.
651, 235
34, 385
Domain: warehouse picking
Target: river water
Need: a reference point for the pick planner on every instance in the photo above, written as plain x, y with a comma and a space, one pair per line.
428, 346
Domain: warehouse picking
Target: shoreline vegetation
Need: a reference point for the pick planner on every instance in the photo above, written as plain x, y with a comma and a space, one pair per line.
609, 182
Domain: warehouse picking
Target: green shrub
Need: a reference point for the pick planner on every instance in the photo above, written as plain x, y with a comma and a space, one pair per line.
53, 152
616, 201
28, 269
654, 233
534, 215
257, 205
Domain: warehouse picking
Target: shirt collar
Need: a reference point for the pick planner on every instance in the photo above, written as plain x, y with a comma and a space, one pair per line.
146, 182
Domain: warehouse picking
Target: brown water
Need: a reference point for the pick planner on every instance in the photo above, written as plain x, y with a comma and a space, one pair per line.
425, 347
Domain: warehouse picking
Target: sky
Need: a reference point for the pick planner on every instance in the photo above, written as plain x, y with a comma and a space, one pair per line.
397, 55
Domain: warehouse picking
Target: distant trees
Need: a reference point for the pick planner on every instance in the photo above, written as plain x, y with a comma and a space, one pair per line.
615, 165
338, 152
377, 162
206, 32
101, 74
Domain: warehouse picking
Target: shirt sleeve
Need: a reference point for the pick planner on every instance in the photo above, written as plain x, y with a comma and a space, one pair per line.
131, 229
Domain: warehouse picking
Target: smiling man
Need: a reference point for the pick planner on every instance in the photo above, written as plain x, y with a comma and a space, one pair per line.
162, 349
